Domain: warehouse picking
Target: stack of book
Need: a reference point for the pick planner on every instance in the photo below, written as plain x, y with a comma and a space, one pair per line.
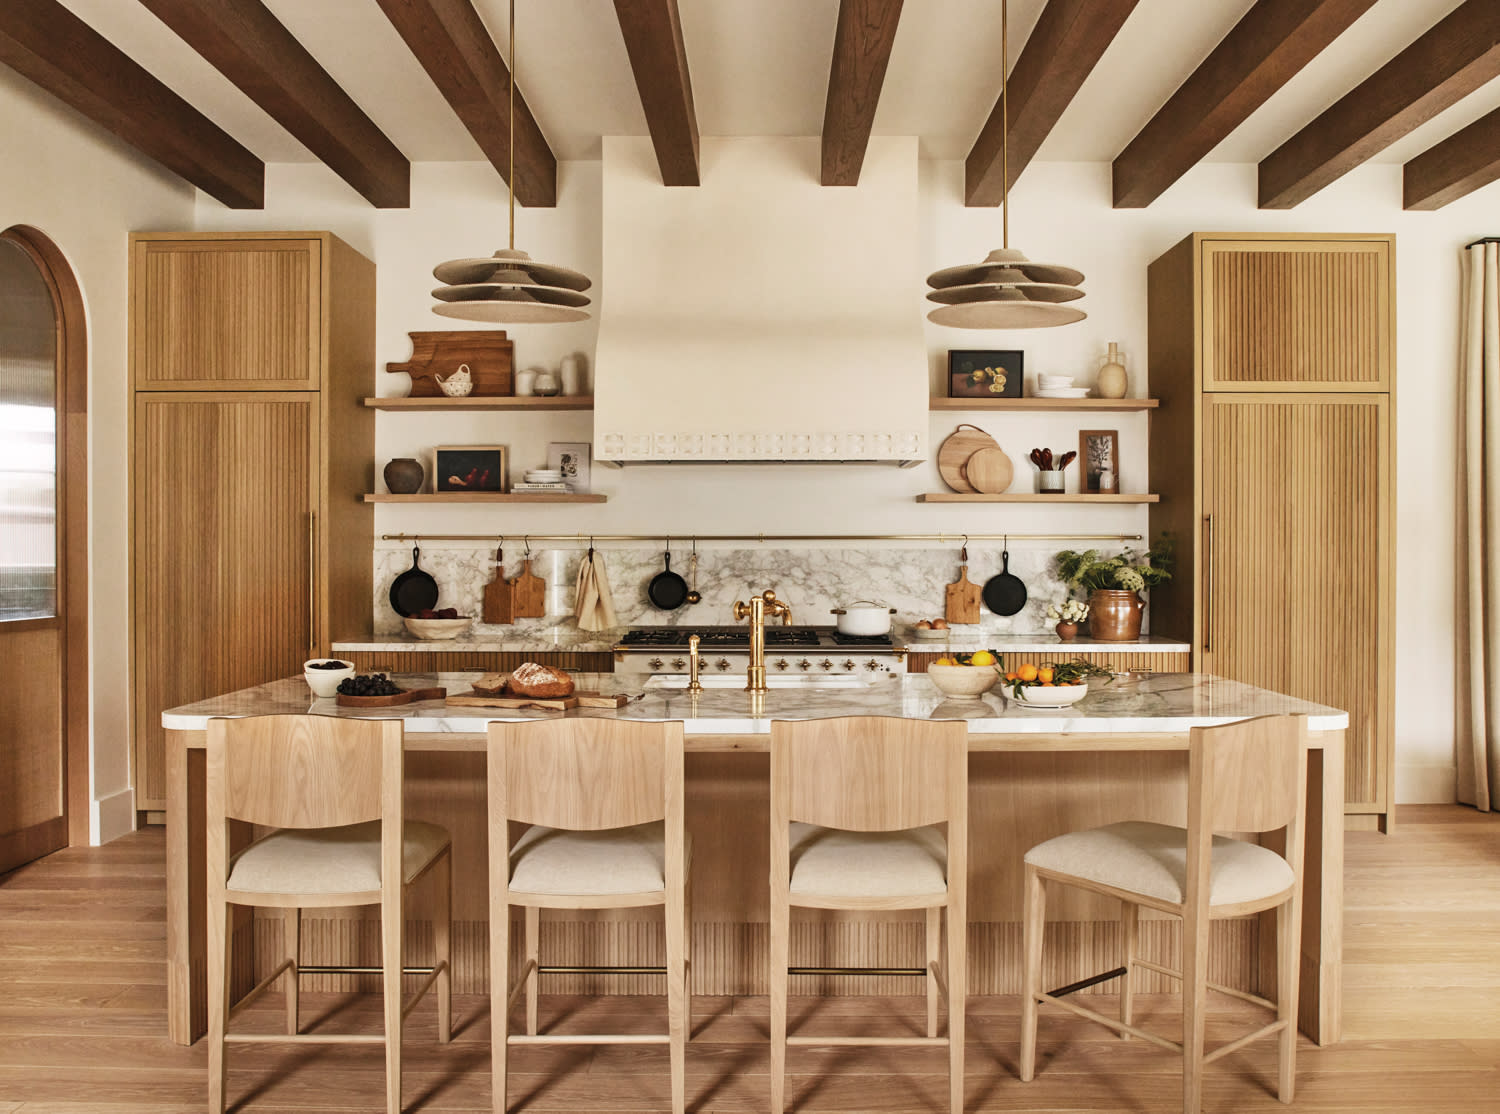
559, 488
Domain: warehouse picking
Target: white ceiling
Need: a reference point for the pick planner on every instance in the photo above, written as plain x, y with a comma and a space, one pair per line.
760, 67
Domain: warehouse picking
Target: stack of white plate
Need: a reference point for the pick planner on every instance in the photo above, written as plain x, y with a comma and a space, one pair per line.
1062, 392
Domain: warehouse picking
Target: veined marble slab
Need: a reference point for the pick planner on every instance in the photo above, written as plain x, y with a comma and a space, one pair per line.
966, 641
568, 639
1164, 702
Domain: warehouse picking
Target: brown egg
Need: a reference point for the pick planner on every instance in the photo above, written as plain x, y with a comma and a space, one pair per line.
940, 624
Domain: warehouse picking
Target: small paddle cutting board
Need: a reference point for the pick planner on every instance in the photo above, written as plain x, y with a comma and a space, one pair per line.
961, 604
391, 701
561, 703
528, 594
499, 603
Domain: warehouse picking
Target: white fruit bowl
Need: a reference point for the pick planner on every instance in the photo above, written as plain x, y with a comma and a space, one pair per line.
437, 628
1050, 696
963, 680
325, 682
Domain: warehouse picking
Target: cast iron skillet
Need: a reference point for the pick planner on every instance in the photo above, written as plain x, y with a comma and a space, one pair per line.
414, 590
667, 590
1003, 593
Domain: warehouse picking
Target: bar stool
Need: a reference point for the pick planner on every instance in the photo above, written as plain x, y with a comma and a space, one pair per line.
1249, 776
604, 801
855, 804
334, 789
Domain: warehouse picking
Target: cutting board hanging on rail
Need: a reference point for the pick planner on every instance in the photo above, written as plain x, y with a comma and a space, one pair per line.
499, 601
528, 594
961, 602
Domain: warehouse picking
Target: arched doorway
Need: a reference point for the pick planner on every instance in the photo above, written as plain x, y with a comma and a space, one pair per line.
44, 723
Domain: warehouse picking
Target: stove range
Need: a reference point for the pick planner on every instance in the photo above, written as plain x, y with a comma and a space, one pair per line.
726, 649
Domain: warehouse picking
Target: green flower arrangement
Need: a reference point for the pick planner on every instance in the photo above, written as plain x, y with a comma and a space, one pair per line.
1130, 571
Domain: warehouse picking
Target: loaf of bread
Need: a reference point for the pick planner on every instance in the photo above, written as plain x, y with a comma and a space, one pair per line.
531, 679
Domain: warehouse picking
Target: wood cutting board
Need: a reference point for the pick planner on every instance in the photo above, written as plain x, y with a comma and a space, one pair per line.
395, 699
989, 471
528, 594
561, 703
961, 602
499, 599
955, 451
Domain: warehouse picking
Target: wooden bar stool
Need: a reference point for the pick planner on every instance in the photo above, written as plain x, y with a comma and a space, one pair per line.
1249, 776
604, 801
855, 808
333, 787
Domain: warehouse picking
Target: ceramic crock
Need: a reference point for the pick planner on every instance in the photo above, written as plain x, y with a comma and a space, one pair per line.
1115, 615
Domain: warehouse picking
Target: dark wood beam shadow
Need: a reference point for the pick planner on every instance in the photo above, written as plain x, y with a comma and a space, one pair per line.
653, 39
1464, 162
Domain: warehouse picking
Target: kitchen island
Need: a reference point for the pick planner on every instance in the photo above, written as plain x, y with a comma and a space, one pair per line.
1034, 773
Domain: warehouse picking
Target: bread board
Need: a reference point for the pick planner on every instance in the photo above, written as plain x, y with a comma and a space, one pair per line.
955, 451
989, 471
961, 599
561, 703
528, 594
394, 700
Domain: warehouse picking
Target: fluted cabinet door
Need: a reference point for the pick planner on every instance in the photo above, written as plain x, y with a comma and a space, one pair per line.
222, 598
1297, 577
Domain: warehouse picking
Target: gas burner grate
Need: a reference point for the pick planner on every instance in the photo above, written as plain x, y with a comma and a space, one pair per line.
873, 641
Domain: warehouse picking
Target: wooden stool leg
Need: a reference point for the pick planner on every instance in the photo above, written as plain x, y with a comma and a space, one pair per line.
934, 955
780, 959
533, 955
676, 994
392, 930
442, 942
1129, 933
220, 939
291, 943
1194, 1008
687, 955
958, 984
1034, 922
499, 995
1288, 973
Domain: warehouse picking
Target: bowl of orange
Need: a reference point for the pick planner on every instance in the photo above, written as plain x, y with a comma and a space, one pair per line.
1048, 685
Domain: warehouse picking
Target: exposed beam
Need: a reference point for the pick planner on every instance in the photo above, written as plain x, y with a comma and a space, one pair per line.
1067, 42
1455, 57
1273, 41
456, 50
1459, 165
861, 51
46, 43
653, 39
251, 47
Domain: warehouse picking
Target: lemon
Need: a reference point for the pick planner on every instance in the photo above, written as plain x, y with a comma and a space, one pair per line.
983, 657
945, 661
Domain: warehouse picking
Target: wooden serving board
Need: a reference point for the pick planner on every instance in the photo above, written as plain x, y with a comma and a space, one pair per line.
955, 451
488, 353
561, 703
395, 699
961, 599
528, 594
989, 471
499, 605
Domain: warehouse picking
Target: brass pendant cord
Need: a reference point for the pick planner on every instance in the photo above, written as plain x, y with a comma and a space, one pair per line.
1004, 122
510, 177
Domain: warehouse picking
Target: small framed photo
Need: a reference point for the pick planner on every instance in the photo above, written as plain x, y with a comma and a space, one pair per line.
1099, 456
983, 374
571, 458
479, 468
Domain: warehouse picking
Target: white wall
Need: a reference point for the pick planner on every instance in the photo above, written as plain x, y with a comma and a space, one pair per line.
86, 191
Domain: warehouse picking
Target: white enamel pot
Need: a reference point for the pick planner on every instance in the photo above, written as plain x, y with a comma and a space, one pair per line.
864, 619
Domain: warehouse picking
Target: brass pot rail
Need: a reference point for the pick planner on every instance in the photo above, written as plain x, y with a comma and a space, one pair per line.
589, 539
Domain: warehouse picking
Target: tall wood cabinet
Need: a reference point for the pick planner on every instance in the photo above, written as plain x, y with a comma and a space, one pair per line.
251, 451
1272, 449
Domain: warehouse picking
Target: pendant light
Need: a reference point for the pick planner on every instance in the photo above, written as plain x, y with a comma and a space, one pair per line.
1006, 290
509, 286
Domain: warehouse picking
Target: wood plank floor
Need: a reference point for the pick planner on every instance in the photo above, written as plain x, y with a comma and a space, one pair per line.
82, 1025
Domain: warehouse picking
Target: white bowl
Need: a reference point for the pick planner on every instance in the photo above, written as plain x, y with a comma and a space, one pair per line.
963, 680
1051, 696
1062, 392
1055, 382
325, 682
437, 628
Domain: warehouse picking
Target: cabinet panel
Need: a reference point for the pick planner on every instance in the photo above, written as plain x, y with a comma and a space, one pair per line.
1297, 572
1296, 315
223, 501
233, 313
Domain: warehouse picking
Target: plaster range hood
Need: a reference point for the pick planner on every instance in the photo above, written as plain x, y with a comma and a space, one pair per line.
760, 317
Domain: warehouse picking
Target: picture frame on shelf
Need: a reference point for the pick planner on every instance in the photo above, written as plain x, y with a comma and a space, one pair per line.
572, 459
985, 373
1099, 459
470, 468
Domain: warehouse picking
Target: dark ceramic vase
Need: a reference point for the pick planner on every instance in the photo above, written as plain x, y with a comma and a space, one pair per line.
404, 476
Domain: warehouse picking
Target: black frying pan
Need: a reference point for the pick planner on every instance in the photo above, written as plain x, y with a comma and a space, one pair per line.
667, 590
1003, 593
414, 590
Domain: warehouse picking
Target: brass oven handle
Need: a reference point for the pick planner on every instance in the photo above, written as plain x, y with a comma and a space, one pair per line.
694, 685
1208, 580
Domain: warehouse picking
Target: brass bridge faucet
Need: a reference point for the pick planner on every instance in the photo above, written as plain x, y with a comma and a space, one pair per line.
756, 611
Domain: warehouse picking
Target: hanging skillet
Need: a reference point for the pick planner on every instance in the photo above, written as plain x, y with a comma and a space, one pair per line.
667, 590
1004, 594
414, 590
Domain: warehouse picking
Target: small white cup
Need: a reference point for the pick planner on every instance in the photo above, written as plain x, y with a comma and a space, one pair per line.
325, 682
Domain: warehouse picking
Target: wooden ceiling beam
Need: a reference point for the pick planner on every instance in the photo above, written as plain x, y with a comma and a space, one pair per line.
1067, 42
253, 49
653, 40
1464, 162
861, 52
1273, 41
451, 42
1456, 56
46, 43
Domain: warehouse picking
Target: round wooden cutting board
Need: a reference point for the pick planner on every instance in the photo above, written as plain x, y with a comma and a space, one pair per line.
955, 451
989, 471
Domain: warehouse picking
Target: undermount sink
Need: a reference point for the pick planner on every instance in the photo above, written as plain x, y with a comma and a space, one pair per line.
778, 681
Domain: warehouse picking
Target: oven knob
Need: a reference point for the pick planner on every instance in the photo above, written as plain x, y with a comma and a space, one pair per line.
848, 663
872, 665
782, 664
804, 664
825, 664
654, 663
721, 664
678, 663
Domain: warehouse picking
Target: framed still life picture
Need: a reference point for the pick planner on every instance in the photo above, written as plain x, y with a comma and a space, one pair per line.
470, 468
572, 460
1099, 454
984, 374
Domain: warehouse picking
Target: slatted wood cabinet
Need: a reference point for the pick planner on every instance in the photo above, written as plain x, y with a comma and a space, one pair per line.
250, 353
1273, 448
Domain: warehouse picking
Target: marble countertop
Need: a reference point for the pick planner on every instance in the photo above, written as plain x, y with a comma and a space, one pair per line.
1162, 702
569, 640
965, 640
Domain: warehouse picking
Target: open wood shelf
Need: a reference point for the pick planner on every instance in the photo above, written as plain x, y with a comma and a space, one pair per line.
486, 497
1096, 405
1027, 497
484, 402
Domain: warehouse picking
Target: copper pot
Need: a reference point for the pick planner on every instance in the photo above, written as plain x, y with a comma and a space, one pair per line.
1115, 615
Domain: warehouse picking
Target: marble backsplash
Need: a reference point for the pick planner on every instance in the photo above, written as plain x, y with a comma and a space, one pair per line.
812, 581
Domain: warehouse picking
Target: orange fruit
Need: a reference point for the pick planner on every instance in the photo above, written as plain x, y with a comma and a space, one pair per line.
1010, 676
1027, 672
1044, 674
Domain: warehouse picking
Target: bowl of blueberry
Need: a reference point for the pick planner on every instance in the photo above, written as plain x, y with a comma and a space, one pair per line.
324, 674
444, 623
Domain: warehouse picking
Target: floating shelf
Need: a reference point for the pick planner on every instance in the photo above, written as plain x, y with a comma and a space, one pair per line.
485, 402
486, 497
1097, 405
1027, 497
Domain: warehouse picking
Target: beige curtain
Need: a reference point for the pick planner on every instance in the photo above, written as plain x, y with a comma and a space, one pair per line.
1479, 532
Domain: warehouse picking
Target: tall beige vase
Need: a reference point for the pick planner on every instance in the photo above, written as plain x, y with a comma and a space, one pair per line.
1112, 379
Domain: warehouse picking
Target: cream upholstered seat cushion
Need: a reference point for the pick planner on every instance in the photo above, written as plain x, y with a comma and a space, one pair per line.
330, 860
835, 863
1151, 860
562, 862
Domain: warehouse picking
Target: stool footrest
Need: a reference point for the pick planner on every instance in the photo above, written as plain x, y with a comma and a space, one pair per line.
1084, 984
585, 969
878, 1042
589, 1038
323, 969
912, 971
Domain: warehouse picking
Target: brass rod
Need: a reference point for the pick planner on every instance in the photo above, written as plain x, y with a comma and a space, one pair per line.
943, 539
552, 969
913, 971
321, 969
1004, 123
510, 177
